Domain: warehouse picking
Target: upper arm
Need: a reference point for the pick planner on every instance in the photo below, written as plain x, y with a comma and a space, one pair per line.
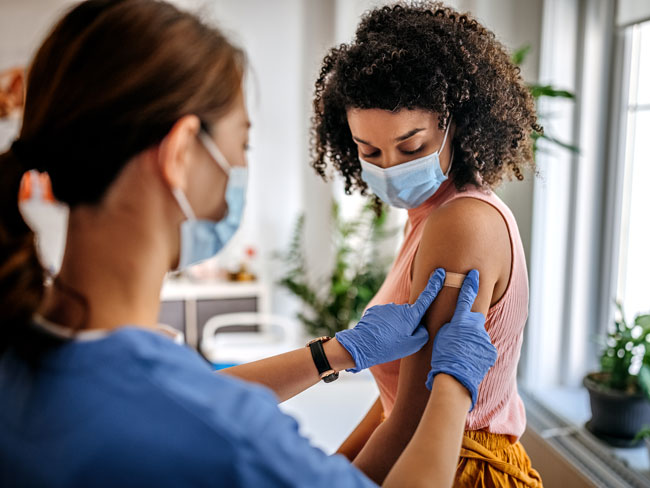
464, 235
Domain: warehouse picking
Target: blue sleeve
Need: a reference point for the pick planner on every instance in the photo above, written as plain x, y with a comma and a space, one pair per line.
275, 454
261, 444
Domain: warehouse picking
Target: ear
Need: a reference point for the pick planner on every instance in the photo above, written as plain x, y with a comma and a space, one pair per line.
175, 151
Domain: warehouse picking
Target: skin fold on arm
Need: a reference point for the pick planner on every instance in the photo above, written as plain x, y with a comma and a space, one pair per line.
462, 235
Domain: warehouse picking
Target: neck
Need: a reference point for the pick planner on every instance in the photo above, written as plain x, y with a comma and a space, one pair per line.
115, 261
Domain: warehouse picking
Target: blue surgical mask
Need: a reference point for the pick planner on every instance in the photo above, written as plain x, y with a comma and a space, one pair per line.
410, 184
202, 239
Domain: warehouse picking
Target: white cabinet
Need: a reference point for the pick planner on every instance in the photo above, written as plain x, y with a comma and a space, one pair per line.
187, 305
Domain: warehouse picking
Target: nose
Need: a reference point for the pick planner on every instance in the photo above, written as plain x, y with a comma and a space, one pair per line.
389, 161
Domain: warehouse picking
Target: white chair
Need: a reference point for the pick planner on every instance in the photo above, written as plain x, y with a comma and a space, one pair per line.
277, 334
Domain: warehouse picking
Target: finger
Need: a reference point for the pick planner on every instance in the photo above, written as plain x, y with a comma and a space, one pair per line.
468, 292
429, 293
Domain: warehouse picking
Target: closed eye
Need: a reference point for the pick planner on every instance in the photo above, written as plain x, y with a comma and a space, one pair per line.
376, 153
415, 151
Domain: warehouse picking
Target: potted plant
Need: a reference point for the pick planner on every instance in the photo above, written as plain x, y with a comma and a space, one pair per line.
332, 302
620, 391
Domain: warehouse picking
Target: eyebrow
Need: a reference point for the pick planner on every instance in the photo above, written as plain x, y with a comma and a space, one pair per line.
401, 138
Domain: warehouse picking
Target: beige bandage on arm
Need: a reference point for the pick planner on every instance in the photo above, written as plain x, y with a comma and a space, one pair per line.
454, 280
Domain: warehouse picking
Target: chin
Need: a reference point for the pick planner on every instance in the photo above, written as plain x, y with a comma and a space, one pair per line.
222, 212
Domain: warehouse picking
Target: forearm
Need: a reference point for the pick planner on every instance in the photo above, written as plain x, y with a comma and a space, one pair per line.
431, 457
391, 438
293, 372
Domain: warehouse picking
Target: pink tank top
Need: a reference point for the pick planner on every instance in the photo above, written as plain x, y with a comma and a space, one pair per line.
499, 408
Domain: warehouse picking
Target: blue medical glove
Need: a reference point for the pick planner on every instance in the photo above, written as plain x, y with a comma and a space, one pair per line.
462, 348
389, 332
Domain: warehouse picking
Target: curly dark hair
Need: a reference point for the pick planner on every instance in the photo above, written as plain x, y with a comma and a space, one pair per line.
427, 56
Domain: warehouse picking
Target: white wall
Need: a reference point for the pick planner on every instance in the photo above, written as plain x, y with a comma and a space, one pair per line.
23, 24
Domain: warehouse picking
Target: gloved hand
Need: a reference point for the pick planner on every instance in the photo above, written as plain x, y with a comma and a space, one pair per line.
462, 348
389, 332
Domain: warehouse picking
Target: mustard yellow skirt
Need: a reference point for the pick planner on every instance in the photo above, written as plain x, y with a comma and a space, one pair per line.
490, 460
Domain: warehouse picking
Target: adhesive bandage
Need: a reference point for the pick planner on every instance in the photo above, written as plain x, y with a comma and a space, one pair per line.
454, 280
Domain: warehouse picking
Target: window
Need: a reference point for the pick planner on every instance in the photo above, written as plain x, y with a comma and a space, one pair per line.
591, 239
633, 288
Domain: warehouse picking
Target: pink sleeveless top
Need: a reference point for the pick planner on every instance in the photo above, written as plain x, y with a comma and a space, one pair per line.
499, 408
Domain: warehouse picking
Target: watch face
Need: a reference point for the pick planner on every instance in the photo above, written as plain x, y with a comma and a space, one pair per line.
322, 339
331, 377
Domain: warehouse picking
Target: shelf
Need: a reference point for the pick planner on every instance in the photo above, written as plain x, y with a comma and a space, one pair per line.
210, 290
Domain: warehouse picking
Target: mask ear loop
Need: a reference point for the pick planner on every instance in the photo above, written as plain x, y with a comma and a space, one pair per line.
184, 203
214, 151
451, 162
444, 141
219, 158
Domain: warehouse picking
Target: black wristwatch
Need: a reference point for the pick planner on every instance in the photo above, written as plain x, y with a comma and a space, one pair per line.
327, 374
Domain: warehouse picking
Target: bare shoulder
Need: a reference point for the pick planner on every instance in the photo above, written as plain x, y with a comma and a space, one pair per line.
466, 234
464, 231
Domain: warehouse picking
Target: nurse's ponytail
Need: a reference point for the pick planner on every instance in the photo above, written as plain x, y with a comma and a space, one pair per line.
21, 274
110, 81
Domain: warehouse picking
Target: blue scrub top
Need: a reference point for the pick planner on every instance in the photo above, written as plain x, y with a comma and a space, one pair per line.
135, 409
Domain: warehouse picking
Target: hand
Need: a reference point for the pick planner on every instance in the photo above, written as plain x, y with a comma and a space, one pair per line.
462, 348
389, 332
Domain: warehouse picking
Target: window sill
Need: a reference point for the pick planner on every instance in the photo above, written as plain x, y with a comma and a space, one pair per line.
559, 416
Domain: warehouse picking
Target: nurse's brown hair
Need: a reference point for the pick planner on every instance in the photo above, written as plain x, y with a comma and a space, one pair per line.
109, 81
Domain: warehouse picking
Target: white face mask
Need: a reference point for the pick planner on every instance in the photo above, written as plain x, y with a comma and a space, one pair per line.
203, 239
410, 184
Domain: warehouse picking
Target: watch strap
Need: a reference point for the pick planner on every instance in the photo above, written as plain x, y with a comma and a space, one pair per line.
323, 366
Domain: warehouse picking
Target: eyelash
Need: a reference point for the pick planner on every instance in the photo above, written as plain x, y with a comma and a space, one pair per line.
376, 153
414, 151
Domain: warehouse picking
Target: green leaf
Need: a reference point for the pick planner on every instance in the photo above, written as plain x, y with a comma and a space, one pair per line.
642, 320
519, 56
548, 91
557, 142
644, 379
643, 433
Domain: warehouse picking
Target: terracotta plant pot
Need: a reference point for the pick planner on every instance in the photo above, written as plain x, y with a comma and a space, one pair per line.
616, 416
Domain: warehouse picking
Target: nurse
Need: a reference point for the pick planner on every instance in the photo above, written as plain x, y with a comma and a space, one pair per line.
136, 111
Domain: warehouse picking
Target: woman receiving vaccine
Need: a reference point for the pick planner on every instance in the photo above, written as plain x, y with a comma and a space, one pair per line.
425, 110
